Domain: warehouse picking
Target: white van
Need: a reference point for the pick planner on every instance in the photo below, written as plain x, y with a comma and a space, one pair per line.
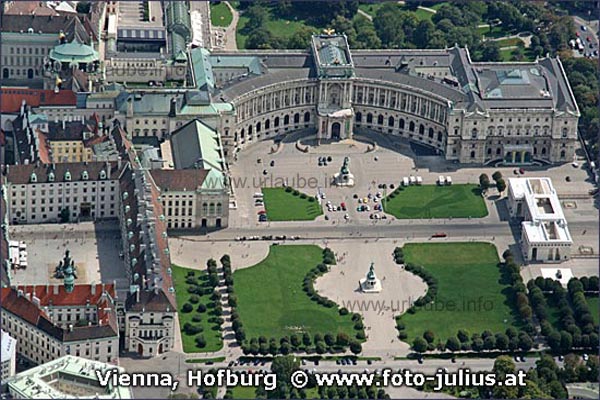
441, 180
258, 195
448, 180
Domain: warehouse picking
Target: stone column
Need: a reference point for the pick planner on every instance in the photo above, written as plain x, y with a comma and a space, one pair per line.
514, 156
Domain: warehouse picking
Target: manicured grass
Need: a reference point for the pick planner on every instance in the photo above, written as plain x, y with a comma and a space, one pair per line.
271, 301
244, 392
470, 295
279, 27
370, 8
220, 15
285, 206
594, 304
509, 42
211, 330
497, 31
432, 201
204, 360
507, 55
423, 14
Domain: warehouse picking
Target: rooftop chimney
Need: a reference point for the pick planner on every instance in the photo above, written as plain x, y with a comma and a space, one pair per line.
55, 289
93, 286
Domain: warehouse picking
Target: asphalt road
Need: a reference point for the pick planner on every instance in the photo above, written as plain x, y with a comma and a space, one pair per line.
380, 229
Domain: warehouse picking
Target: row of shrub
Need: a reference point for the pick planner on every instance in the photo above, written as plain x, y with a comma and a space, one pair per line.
319, 343
197, 287
576, 328
396, 192
511, 339
295, 192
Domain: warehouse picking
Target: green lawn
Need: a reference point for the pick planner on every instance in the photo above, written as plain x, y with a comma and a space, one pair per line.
594, 304
432, 201
507, 42
244, 392
285, 206
423, 14
204, 360
279, 27
370, 8
271, 301
220, 15
211, 331
470, 295
498, 31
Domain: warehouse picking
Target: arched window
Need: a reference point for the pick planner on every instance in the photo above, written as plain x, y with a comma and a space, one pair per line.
276, 122
286, 120
268, 124
5, 73
211, 209
258, 127
243, 134
431, 133
474, 133
565, 132
489, 151
219, 208
498, 151
380, 120
369, 118
562, 154
249, 130
411, 126
440, 136
472, 154
204, 208
401, 123
296, 118
307, 117
358, 117
421, 129
391, 121
543, 150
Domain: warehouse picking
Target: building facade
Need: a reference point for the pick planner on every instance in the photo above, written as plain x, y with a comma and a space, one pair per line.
8, 356
50, 322
474, 113
42, 193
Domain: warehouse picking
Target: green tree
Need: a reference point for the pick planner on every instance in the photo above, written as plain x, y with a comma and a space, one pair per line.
452, 344
500, 185
490, 51
419, 345
503, 366
484, 181
423, 34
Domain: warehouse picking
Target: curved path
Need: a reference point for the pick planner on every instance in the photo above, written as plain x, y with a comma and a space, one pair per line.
400, 289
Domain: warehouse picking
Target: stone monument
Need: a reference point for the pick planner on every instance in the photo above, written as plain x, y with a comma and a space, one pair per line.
344, 177
370, 283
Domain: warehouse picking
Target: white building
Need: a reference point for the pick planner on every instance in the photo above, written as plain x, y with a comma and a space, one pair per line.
50, 322
68, 377
545, 235
38, 193
8, 356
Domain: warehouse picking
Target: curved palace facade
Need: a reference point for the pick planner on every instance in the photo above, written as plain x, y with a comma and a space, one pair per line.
466, 111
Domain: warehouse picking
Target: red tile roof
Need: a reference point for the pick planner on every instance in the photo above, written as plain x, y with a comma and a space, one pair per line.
12, 98
19, 305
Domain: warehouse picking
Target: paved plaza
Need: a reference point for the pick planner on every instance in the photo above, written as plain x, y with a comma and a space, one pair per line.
388, 163
95, 249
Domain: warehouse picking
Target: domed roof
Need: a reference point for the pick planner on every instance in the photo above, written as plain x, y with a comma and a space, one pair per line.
74, 52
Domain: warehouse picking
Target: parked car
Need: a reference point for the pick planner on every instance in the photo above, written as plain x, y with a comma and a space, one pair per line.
439, 235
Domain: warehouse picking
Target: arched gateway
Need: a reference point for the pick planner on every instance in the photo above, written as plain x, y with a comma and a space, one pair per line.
468, 112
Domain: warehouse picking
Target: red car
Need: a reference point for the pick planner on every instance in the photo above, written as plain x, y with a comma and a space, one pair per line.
439, 235
589, 38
